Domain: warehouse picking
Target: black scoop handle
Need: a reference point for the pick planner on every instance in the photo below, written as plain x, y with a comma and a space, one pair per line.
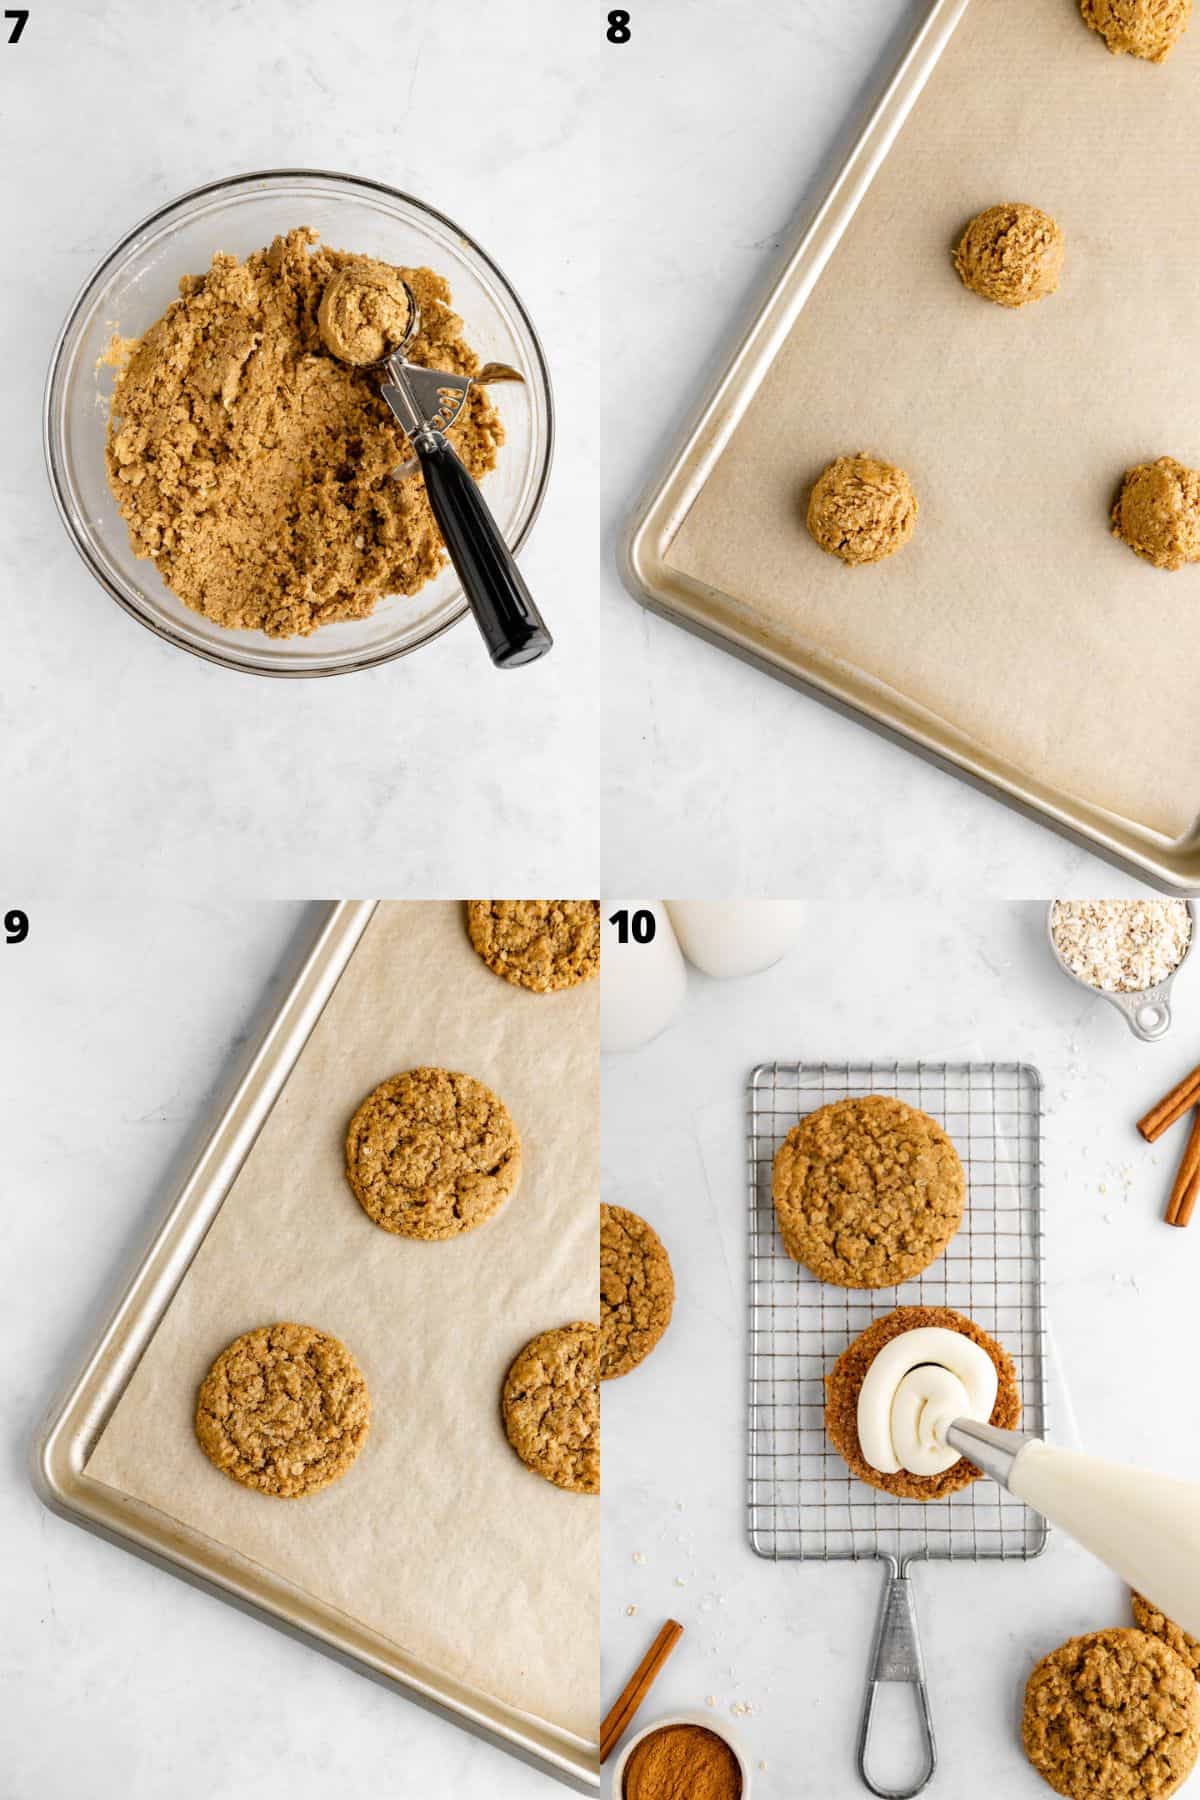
513, 628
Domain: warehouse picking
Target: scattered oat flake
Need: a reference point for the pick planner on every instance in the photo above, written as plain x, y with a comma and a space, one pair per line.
638, 1557
679, 1581
740, 1708
1121, 946
710, 1699
630, 1611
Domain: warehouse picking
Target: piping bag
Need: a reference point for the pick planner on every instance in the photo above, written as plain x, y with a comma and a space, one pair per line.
1145, 1527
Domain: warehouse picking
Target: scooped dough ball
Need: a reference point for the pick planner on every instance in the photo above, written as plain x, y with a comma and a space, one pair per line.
862, 510
1011, 254
365, 312
1146, 28
1158, 513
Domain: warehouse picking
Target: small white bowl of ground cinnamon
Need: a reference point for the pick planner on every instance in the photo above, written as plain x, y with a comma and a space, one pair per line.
685, 1757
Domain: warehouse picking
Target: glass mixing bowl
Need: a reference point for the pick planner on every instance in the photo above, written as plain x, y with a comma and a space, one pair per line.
133, 286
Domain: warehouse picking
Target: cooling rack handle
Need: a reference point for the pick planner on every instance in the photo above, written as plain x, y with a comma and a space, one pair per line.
897, 1657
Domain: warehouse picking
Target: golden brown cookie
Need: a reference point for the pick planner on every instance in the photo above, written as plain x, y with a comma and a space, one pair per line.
867, 1192
542, 945
1011, 254
365, 312
845, 1379
637, 1290
1148, 1618
1157, 513
1113, 1713
431, 1154
284, 1410
551, 1407
862, 509
1146, 28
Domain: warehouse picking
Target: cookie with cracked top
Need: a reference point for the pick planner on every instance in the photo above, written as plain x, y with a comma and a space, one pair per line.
868, 1192
1112, 1715
551, 1406
284, 1410
432, 1153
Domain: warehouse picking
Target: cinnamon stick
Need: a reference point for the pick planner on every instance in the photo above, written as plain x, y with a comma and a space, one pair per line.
637, 1687
1184, 1194
1171, 1107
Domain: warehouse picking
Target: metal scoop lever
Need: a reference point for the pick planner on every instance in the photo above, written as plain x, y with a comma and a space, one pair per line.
427, 402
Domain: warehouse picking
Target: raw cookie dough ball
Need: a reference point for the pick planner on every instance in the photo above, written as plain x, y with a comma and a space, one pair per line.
365, 312
862, 510
1148, 1618
1157, 513
1145, 28
1112, 1715
1011, 254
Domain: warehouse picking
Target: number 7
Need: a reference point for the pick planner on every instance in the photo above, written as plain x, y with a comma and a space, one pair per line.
18, 17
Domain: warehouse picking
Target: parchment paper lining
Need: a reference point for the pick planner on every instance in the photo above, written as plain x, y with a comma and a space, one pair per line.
438, 1537
1013, 615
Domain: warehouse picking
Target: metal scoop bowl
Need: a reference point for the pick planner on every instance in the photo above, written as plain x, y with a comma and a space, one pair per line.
427, 402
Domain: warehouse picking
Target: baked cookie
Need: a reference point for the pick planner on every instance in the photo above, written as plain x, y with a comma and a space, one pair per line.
844, 1380
862, 509
1148, 1618
867, 1192
1112, 1713
284, 1410
542, 945
551, 1407
1146, 28
637, 1290
1011, 254
431, 1154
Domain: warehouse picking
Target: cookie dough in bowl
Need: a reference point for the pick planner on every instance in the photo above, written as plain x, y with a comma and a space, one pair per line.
862, 509
137, 283
258, 471
366, 311
1011, 254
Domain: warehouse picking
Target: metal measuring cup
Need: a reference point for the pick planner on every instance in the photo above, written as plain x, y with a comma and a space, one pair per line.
1148, 1013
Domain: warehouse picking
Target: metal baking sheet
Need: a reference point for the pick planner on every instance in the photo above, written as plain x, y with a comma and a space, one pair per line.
77, 1422
1162, 850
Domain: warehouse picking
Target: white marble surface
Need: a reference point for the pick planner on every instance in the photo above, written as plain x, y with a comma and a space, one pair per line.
787, 1642
128, 761
725, 128
117, 1678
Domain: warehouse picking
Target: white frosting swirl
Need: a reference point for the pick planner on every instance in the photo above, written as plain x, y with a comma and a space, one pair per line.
918, 1384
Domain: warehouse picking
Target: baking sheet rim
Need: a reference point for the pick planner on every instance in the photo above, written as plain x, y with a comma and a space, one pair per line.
76, 1419
719, 619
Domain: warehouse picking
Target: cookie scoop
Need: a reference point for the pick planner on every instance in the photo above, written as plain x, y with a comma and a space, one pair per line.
361, 315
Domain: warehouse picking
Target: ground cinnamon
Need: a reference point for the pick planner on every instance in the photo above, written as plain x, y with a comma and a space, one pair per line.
683, 1762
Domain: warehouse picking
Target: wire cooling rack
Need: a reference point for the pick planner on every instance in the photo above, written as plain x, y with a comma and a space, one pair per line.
803, 1501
